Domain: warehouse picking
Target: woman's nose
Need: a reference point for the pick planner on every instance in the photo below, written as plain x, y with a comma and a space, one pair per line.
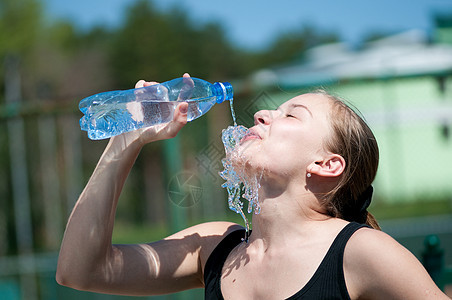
262, 117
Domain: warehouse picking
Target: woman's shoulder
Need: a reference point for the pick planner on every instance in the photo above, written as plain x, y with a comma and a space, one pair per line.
214, 233
206, 236
370, 235
375, 264
207, 233
211, 228
371, 248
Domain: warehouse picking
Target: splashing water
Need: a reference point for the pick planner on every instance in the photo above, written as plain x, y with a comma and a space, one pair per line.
236, 178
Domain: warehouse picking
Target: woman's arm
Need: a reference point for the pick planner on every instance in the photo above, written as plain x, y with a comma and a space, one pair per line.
89, 261
377, 267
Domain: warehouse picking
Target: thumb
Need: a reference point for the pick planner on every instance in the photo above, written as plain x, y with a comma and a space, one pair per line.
179, 119
180, 113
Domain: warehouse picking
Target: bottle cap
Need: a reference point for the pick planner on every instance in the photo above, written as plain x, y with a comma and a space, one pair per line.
223, 91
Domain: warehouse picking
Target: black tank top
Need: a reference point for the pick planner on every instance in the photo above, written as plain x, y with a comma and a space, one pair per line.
328, 281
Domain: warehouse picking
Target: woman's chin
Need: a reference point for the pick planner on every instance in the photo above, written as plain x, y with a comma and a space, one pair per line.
238, 160
246, 165
247, 149
245, 159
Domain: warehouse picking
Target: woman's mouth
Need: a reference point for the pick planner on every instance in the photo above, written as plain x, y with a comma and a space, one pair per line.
250, 135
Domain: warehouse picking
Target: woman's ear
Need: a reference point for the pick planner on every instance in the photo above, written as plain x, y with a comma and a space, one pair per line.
332, 166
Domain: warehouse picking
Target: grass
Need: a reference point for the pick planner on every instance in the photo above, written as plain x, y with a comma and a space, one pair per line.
412, 209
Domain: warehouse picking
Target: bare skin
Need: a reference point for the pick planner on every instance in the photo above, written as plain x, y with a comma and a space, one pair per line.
290, 236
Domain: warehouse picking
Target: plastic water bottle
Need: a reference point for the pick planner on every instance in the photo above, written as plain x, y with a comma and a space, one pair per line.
112, 113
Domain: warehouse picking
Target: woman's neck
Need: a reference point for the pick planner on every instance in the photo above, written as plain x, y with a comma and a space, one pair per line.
291, 212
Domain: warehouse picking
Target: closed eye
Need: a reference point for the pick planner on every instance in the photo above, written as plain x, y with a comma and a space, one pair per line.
290, 116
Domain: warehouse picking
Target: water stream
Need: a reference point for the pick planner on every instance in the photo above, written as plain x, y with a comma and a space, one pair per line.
237, 180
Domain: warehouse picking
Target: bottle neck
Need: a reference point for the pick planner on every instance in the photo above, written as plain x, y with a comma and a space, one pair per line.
223, 91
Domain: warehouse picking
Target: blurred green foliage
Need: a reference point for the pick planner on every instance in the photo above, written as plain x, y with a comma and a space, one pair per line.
411, 209
61, 61
20, 22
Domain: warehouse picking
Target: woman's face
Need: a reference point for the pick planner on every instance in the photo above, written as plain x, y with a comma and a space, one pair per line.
285, 141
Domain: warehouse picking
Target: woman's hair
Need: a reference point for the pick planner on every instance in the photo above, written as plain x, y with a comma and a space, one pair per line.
354, 141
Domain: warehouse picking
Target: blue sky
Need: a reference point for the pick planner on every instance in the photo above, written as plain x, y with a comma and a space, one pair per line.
253, 23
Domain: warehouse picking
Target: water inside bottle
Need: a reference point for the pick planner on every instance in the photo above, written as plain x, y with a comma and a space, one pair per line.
106, 121
237, 180
156, 112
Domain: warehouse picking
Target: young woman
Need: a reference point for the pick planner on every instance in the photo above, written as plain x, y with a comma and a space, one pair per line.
318, 160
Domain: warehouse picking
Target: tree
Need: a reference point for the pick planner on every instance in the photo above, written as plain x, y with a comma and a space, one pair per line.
20, 21
291, 45
163, 45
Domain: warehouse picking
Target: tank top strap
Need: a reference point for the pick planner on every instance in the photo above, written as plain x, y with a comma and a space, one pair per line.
215, 262
337, 249
328, 282
344, 235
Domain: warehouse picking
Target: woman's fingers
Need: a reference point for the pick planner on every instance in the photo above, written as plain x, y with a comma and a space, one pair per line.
164, 131
171, 129
149, 83
180, 113
187, 89
142, 83
179, 119
139, 84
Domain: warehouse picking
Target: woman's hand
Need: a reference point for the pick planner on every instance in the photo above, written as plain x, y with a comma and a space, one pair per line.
160, 131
